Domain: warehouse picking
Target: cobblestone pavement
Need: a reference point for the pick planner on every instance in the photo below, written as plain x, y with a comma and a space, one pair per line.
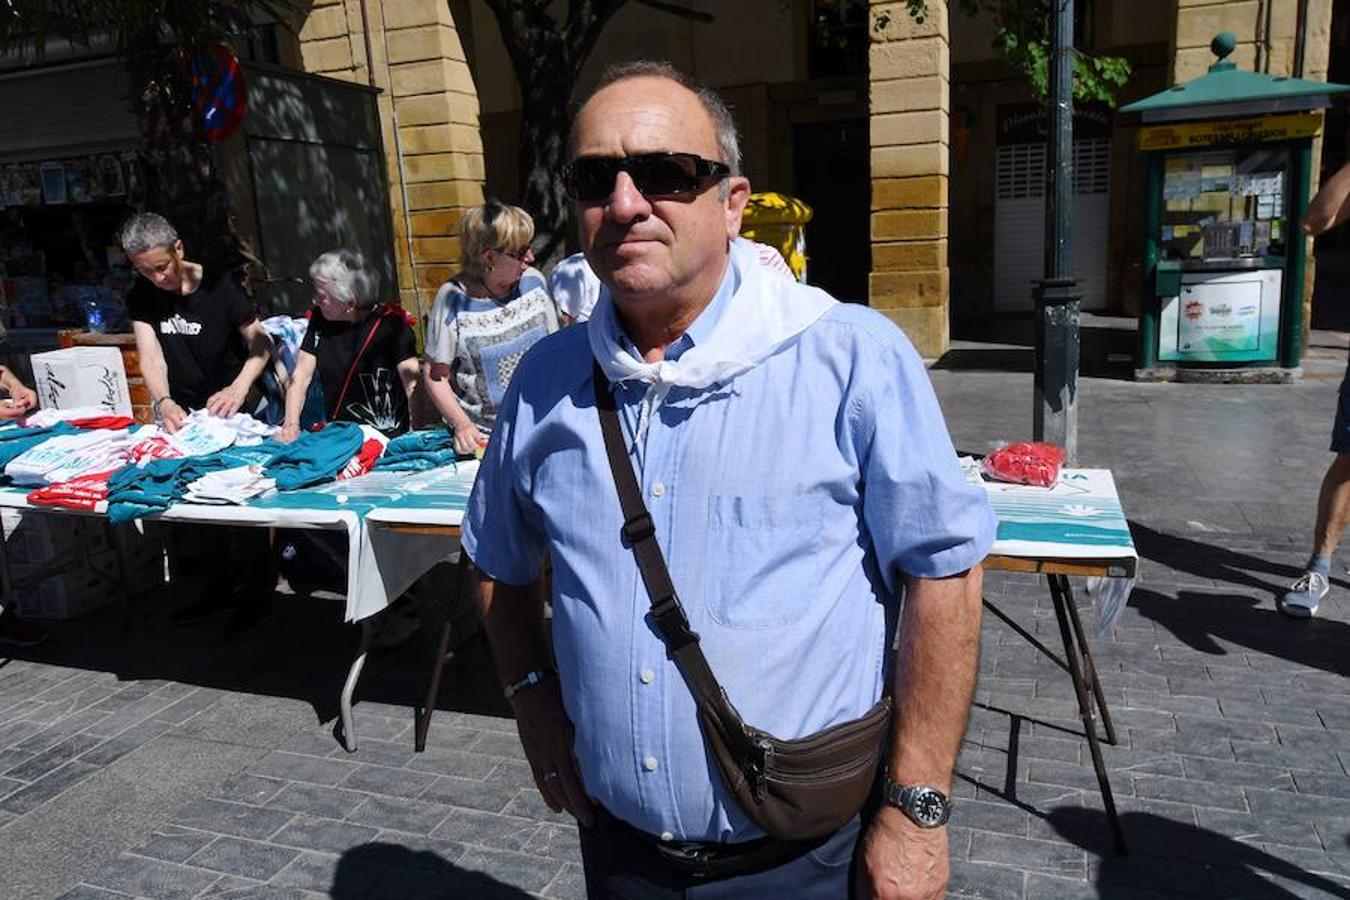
168, 763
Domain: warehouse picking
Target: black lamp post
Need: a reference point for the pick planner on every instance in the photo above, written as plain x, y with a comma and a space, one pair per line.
1057, 296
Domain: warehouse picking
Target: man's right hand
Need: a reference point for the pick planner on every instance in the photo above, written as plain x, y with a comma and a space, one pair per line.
546, 735
289, 432
171, 415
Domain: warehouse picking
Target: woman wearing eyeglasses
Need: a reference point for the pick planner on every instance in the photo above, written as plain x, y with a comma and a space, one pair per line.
484, 319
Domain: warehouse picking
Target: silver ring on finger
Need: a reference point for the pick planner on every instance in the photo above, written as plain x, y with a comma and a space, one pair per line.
550, 774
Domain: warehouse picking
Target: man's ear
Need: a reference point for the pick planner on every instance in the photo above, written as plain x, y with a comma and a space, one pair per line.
178, 248
738, 195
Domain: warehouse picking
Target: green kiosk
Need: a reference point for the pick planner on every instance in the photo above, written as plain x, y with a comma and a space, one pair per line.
1229, 167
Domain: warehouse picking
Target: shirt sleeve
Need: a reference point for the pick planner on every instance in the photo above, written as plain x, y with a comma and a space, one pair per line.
501, 531
924, 518
405, 341
140, 305
239, 307
440, 326
310, 342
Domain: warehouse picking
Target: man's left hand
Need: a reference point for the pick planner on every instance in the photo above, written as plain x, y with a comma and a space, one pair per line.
901, 861
225, 402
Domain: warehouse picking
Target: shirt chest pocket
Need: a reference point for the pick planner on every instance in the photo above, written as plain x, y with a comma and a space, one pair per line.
763, 557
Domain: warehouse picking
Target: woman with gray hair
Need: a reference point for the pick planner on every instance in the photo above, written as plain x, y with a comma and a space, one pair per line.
365, 352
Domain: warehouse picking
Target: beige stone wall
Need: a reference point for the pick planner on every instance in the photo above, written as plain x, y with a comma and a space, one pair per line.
419, 65
909, 102
1265, 31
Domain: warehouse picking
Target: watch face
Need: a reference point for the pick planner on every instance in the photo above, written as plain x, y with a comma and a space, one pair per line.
929, 808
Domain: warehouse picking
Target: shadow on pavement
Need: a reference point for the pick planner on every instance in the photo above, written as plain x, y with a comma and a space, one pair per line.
1212, 561
380, 871
1183, 860
1201, 620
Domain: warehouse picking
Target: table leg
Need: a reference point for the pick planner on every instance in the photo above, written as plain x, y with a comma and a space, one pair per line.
354, 675
433, 690
1060, 597
1089, 667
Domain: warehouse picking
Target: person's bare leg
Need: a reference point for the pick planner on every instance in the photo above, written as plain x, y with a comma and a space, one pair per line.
1333, 506
1333, 514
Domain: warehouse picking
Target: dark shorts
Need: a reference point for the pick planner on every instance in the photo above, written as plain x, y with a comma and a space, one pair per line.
1340, 432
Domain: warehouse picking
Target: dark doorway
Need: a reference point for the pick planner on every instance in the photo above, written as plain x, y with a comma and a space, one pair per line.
833, 175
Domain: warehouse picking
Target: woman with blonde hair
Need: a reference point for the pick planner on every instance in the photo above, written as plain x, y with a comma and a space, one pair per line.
484, 319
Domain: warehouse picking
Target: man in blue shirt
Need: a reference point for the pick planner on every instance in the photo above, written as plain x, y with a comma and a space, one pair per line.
801, 480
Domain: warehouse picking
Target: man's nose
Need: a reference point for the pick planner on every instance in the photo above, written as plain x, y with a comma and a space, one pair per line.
626, 202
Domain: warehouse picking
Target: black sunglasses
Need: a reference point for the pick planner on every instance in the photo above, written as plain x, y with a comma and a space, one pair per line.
591, 178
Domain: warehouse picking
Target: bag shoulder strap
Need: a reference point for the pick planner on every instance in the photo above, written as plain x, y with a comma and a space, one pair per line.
667, 612
377, 320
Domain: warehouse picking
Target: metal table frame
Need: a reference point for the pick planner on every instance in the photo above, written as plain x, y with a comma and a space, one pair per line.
1077, 654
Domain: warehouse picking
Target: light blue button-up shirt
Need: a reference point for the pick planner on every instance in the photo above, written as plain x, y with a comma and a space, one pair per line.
790, 504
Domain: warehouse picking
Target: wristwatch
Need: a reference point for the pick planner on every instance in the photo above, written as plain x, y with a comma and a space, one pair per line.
529, 679
926, 806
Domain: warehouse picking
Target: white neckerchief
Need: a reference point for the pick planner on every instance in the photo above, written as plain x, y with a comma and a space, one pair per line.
765, 314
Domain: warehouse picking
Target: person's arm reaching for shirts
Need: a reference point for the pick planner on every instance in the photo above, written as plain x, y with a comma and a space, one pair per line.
447, 404
296, 391
155, 371
21, 399
227, 401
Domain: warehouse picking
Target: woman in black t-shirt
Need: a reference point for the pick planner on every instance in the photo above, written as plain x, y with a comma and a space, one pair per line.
365, 353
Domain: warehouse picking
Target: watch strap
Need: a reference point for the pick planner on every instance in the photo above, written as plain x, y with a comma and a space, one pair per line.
529, 679
905, 797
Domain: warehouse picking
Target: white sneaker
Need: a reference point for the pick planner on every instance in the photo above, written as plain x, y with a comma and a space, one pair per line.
1301, 600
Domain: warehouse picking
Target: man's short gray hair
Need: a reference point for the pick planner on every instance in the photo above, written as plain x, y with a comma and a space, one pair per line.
346, 278
728, 141
146, 231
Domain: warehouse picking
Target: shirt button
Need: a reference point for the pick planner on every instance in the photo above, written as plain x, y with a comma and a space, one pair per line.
667, 836
650, 764
647, 676
658, 489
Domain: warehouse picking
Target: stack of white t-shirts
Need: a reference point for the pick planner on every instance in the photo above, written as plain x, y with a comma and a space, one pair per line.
69, 456
247, 430
230, 486
49, 416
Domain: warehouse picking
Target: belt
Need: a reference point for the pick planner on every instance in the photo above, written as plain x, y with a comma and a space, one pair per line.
709, 860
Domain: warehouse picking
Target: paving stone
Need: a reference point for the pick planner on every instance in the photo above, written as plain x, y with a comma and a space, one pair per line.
185, 708
1321, 759
401, 815
333, 803
234, 819
1166, 702
1250, 828
1026, 853
1271, 778
249, 788
477, 828
247, 859
388, 781
173, 844
59, 731
427, 852
988, 882
142, 877
555, 842
568, 884
87, 892
530, 804
466, 765
492, 743
1295, 806
50, 785
130, 740
309, 833
295, 767
529, 873
316, 871
1179, 790
487, 795
1003, 818
1234, 730
380, 753
1326, 784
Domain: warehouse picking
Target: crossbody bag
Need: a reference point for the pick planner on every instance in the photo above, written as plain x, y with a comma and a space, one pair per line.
796, 789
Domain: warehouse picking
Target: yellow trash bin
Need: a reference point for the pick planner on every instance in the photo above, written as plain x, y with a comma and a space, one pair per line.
779, 221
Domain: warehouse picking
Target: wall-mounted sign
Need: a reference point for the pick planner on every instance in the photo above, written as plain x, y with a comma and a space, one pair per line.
1230, 132
1024, 123
218, 92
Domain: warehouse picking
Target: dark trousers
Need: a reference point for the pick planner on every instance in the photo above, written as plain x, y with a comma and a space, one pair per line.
620, 865
232, 563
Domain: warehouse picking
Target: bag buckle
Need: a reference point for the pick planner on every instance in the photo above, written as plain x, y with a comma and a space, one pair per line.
759, 768
668, 614
639, 527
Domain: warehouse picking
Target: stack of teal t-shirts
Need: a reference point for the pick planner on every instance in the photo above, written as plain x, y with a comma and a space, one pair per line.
315, 456
417, 451
135, 492
15, 439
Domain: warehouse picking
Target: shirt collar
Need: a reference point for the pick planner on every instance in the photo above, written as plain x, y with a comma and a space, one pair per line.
702, 326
